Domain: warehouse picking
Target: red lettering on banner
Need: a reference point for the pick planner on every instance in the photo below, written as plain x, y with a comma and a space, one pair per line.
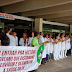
16, 58
25, 62
6, 58
11, 69
21, 52
9, 53
21, 68
8, 64
30, 52
26, 57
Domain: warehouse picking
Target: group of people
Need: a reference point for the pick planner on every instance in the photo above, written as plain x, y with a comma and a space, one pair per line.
56, 47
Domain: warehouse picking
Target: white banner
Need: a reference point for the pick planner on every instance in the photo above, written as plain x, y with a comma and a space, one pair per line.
19, 58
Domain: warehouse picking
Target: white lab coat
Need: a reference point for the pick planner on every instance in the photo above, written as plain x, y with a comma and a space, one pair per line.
59, 45
41, 40
51, 46
21, 42
68, 46
55, 51
13, 40
30, 41
47, 46
63, 45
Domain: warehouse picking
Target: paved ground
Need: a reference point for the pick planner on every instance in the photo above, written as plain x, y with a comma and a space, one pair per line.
64, 65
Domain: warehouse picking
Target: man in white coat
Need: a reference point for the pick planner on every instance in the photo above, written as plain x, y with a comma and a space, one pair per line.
13, 38
42, 40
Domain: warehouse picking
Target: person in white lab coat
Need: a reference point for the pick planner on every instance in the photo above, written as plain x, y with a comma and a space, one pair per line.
63, 46
68, 45
55, 51
59, 45
42, 40
13, 38
30, 39
50, 48
24, 40
47, 46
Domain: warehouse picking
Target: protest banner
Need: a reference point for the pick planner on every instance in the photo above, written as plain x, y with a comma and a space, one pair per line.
19, 58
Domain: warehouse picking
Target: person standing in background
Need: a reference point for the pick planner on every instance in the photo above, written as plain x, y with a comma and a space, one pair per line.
47, 46
63, 46
59, 45
30, 39
42, 40
13, 38
24, 40
55, 52
50, 48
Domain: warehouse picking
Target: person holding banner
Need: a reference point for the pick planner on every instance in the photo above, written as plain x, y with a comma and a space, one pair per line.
13, 38
42, 41
35, 40
35, 43
24, 40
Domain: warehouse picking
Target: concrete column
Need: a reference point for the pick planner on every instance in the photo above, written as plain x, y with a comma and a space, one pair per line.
38, 24
70, 28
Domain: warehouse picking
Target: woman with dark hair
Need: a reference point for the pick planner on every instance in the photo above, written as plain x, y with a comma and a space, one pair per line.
24, 40
30, 39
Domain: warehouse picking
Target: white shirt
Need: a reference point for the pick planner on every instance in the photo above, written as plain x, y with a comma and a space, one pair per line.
59, 45
51, 46
68, 46
30, 41
21, 42
13, 40
63, 44
55, 47
41, 39
47, 46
